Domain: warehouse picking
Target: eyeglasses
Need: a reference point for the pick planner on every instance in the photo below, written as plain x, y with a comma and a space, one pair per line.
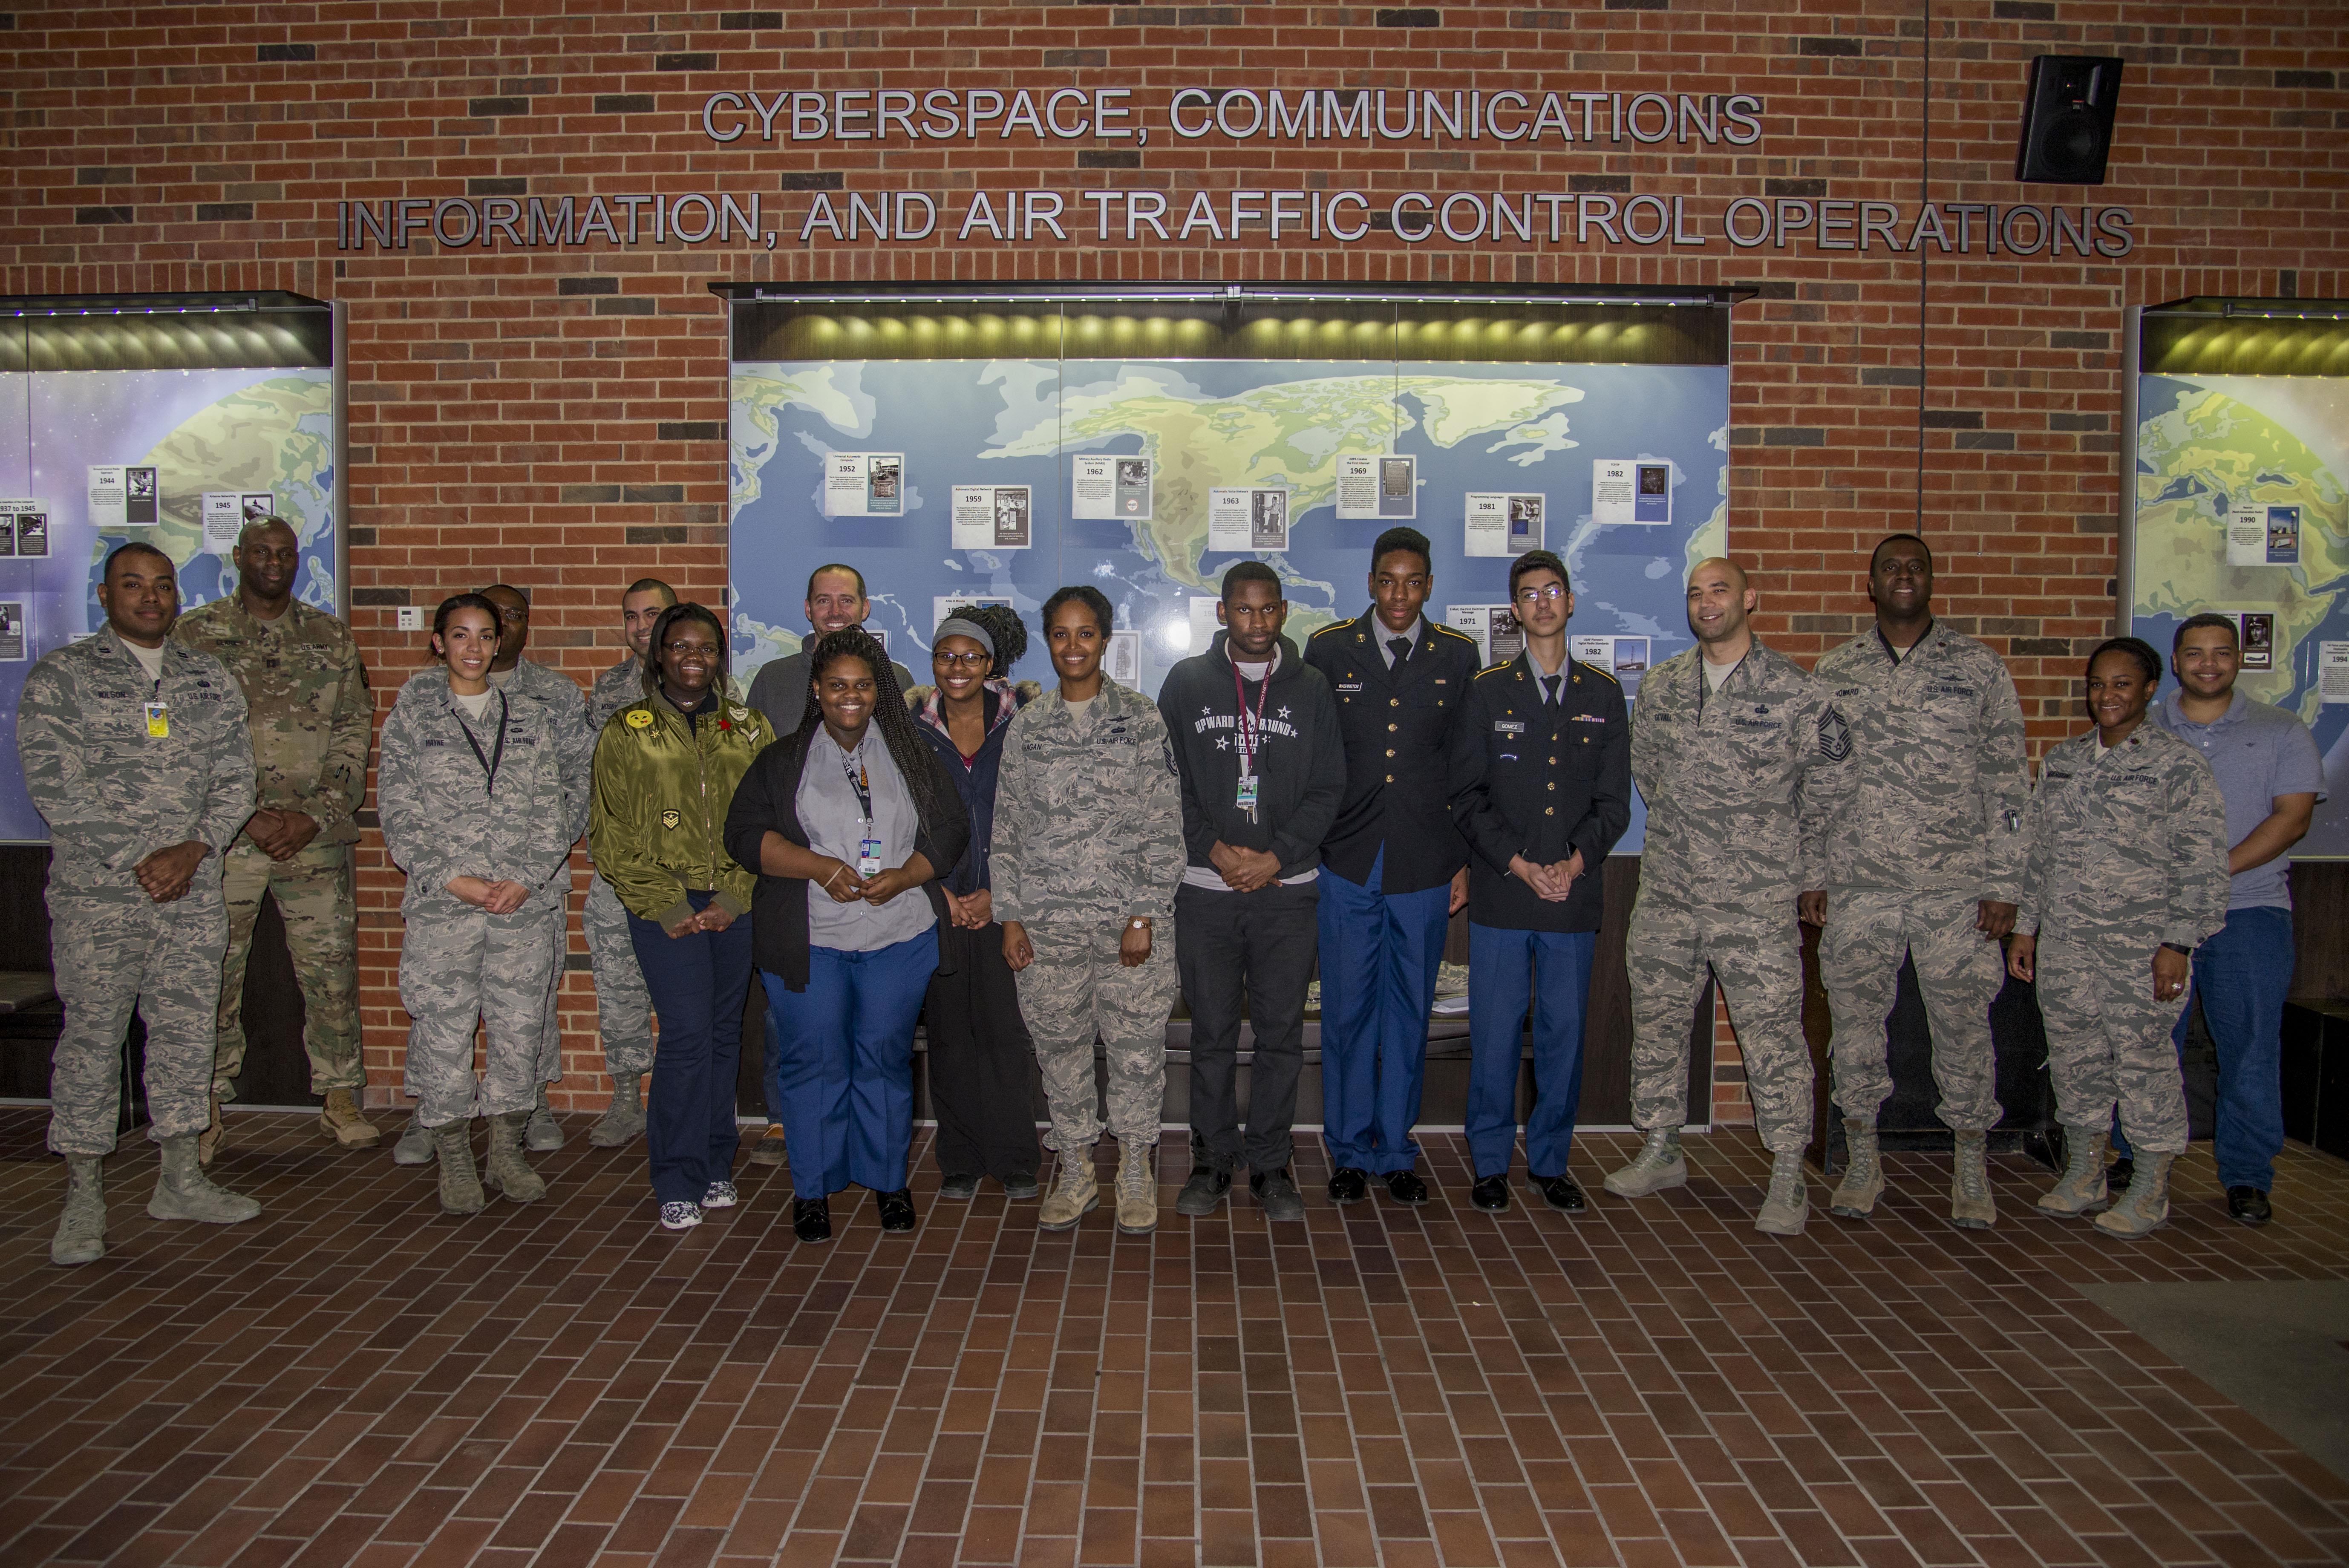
973, 661
685, 650
1552, 595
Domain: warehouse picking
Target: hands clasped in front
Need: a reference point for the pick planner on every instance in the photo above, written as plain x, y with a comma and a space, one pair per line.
1552, 883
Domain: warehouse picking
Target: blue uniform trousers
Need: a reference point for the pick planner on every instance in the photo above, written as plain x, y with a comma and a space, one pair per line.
1506, 970
697, 984
1378, 956
840, 1062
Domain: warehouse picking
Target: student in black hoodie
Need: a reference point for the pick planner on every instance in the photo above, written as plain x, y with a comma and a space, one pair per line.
1256, 737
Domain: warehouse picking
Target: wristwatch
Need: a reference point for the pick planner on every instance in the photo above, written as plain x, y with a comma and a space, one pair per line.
1139, 923
2188, 952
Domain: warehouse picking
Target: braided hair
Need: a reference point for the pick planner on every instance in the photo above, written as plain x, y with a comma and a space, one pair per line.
907, 748
1009, 632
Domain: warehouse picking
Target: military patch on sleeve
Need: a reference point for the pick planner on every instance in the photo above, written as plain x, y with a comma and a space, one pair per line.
669, 819
640, 719
1835, 735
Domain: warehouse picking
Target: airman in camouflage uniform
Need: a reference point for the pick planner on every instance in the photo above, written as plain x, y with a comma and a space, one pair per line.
1924, 857
1737, 799
443, 818
306, 699
144, 781
2127, 855
1089, 839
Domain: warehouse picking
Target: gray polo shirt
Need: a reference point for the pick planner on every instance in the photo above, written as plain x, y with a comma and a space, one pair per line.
2257, 753
835, 821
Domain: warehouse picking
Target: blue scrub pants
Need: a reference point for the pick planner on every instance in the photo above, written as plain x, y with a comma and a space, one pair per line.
697, 984
1379, 957
840, 1064
1506, 969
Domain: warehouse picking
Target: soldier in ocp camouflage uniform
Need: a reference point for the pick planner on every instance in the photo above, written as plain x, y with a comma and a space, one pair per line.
2127, 876
1088, 851
1737, 802
1924, 857
135, 751
307, 700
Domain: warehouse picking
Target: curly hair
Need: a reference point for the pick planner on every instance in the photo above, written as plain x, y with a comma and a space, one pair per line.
907, 748
1009, 632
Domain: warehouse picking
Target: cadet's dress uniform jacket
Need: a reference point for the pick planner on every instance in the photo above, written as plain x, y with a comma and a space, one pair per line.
121, 766
2127, 850
310, 717
1738, 785
1545, 781
1398, 725
1927, 824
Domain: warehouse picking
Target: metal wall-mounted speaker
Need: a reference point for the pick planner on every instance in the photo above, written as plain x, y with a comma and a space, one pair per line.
2068, 119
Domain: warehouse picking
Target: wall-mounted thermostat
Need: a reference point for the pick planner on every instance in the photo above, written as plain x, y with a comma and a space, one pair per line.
411, 617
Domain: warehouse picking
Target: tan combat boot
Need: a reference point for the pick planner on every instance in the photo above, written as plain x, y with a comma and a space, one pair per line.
1072, 1197
1788, 1204
209, 1140
2081, 1190
81, 1230
182, 1191
626, 1116
1972, 1207
1137, 1189
1656, 1166
342, 1120
506, 1170
1863, 1173
2144, 1207
461, 1184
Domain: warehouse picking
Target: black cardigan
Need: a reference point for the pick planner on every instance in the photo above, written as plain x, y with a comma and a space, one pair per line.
767, 800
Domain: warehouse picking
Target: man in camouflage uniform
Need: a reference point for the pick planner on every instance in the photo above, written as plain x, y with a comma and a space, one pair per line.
307, 702
1731, 746
2126, 875
1087, 852
1924, 857
135, 750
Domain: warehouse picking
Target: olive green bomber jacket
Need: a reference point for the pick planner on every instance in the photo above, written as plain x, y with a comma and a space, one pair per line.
656, 817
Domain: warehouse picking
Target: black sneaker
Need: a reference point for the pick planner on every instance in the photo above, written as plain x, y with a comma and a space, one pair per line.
897, 1209
2248, 1206
1405, 1187
2119, 1174
1560, 1193
811, 1219
1205, 1193
1490, 1194
1348, 1185
1020, 1188
959, 1188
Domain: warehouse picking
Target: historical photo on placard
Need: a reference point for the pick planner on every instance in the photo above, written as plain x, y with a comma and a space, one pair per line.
1247, 520
12, 631
883, 496
32, 534
1653, 499
1133, 476
258, 504
1123, 663
2284, 536
2258, 641
141, 497
1399, 486
1524, 524
1268, 520
1011, 530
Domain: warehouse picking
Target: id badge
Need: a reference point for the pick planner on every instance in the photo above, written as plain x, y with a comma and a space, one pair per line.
1248, 792
868, 858
159, 721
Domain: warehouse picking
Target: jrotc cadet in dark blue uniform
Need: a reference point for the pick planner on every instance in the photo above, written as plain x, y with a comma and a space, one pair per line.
1541, 789
1394, 869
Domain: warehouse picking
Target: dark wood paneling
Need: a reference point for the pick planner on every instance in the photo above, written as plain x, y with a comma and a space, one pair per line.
2320, 905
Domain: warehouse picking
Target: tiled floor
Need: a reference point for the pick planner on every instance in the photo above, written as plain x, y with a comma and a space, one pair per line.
355, 1378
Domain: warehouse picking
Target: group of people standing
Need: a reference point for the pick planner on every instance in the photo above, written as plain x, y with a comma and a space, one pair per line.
1027, 872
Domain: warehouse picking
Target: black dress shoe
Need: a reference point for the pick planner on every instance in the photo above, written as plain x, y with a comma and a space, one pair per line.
1560, 1193
1205, 1193
958, 1186
1017, 1188
1348, 1185
897, 1209
1405, 1187
2119, 1174
2249, 1206
811, 1219
1490, 1195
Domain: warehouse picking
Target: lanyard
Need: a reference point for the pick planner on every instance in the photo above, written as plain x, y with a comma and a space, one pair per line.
853, 766
1251, 733
497, 754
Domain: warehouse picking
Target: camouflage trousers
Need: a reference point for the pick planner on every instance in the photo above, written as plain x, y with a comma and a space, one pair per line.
459, 966
1075, 989
115, 953
1756, 954
2108, 1038
624, 1008
314, 897
1959, 971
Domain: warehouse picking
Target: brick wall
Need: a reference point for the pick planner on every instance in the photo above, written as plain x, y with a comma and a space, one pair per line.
554, 416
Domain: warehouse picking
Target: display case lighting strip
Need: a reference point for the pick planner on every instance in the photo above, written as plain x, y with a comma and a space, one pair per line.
1231, 294
2231, 312
246, 308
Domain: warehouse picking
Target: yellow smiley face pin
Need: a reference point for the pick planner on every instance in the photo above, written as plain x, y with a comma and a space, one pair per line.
640, 719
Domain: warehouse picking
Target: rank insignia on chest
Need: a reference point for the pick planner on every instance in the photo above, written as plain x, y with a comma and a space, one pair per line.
670, 818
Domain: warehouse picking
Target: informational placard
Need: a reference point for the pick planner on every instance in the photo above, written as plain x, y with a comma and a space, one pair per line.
865, 484
1247, 519
2284, 536
226, 513
1374, 489
1108, 488
1625, 659
2333, 672
1204, 624
1499, 522
24, 527
945, 604
2257, 641
1628, 490
13, 632
1494, 628
1122, 664
109, 498
2247, 536
991, 517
